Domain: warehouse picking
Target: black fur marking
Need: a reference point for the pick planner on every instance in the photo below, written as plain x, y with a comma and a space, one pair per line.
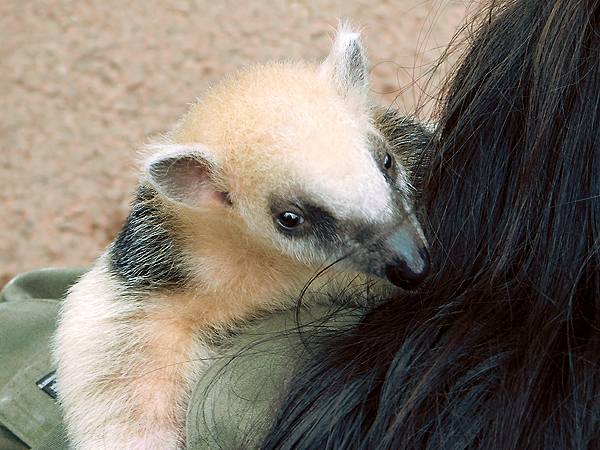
146, 254
319, 223
408, 141
364, 245
386, 158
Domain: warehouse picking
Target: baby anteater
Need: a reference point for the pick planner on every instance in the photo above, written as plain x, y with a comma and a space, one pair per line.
277, 172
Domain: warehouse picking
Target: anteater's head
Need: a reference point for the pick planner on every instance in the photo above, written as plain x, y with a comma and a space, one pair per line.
294, 152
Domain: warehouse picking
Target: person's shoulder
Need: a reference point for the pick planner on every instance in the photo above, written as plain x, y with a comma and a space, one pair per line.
233, 404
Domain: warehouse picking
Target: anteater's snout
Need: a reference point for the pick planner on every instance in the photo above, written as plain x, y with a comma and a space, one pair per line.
410, 265
408, 274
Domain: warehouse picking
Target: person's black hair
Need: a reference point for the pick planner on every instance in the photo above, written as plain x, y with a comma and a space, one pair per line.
501, 347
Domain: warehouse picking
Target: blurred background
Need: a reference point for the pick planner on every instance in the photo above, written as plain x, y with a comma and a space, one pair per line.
84, 84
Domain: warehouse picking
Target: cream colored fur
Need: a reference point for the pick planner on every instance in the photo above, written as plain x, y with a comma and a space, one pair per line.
128, 355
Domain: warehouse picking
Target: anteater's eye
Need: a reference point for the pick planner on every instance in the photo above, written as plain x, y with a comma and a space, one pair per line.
388, 161
289, 220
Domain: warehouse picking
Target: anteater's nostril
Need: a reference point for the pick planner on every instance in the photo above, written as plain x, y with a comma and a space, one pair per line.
409, 274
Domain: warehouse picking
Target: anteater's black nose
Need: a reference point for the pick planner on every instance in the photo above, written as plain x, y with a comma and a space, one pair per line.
409, 272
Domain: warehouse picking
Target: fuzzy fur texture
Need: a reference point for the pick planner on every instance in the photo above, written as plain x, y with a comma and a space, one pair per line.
277, 172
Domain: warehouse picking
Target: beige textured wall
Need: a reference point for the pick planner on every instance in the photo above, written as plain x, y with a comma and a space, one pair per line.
83, 84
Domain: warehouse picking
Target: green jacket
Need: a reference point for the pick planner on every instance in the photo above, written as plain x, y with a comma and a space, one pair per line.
229, 407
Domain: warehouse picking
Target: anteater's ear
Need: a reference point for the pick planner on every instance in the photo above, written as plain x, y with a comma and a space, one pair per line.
346, 64
186, 174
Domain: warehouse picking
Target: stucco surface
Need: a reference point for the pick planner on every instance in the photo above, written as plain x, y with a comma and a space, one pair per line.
84, 84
